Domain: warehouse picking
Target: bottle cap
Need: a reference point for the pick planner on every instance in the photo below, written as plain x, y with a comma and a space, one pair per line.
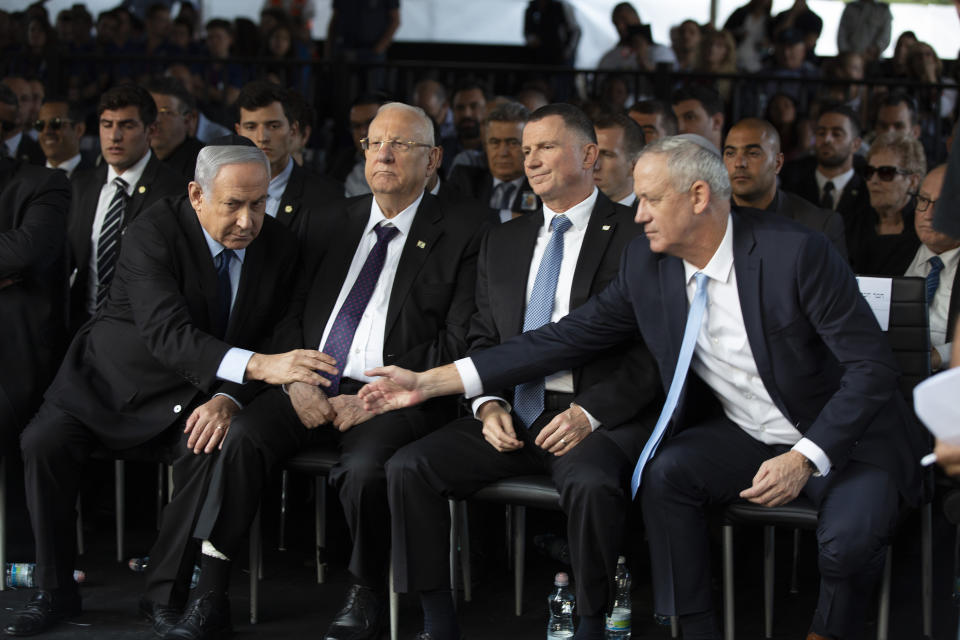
561, 580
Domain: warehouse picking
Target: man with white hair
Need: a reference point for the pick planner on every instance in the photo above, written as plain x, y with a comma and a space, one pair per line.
199, 283
390, 281
783, 384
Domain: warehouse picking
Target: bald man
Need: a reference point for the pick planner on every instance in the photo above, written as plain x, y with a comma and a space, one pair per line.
753, 159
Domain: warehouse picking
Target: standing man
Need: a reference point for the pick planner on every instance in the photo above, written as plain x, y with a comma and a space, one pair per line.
106, 199
596, 407
619, 143
60, 126
655, 117
761, 420
753, 160
199, 282
699, 110
389, 279
176, 117
865, 28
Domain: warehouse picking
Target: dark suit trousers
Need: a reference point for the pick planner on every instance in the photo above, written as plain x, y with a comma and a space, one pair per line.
453, 462
268, 431
708, 465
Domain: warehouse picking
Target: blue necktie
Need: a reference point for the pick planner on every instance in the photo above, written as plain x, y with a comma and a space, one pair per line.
528, 397
933, 278
694, 319
224, 292
348, 318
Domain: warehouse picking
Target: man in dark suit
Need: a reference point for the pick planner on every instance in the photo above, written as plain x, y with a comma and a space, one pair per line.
753, 159
620, 141
389, 279
595, 406
802, 381
500, 185
15, 132
199, 282
176, 117
60, 126
106, 199
828, 179
266, 117
936, 259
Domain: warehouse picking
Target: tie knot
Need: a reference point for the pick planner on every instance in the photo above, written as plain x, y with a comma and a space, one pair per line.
701, 279
828, 188
385, 233
120, 183
225, 256
936, 264
560, 223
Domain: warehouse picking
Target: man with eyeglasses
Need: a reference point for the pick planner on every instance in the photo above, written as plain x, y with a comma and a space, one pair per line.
936, 260
389, 278
60, 126
176, 117
14, 122
501, 185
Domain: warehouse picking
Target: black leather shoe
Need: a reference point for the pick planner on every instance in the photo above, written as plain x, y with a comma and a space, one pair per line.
206, 618
162, 617
44, 611
360, 618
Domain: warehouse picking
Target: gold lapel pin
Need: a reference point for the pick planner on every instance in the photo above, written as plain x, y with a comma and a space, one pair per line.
421, 244
606, 227
142, 189
288, 208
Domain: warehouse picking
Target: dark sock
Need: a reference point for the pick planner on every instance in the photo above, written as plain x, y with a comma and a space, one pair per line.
439, 616
700, 626
214, 575
589, 628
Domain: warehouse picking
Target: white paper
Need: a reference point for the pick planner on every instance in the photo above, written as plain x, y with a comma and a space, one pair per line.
935, 401
876, 291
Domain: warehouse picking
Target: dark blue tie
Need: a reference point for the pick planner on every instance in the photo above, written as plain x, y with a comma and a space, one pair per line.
348, 318
933, 278
224, 291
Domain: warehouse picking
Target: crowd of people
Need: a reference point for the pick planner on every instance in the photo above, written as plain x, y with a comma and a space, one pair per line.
629, 278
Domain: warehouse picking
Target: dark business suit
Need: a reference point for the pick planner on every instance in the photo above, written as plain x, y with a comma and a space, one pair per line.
798, 209
133, 375
592, 478
33, 288
799, 177
803, 317
30, 151
183, 159
158, 181
477, 183
430, 306
307, 194
454, 201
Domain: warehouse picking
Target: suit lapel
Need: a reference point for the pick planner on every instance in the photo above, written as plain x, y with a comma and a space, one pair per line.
674, 295
86, 213
291, 200
514, 271
199, 252
600, 230
143, 191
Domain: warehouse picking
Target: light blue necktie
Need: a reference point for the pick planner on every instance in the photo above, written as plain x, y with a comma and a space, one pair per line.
933, 278
694, 318
528, 397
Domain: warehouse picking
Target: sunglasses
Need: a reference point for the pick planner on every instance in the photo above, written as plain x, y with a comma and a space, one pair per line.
886, 173
53, 123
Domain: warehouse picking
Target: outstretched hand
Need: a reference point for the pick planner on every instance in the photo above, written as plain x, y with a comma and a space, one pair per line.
396, 388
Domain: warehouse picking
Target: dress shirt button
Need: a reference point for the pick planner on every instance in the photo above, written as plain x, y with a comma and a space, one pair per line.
177, 409
762, 429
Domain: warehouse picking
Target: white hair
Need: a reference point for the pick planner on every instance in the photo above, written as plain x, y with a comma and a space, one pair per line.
211, 159
426, 123
689, 160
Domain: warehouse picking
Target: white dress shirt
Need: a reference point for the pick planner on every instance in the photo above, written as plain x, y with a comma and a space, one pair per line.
366, 350
560, 381
276, 188
839, 183
67, 166
724, 360
506, 215
132, 177
940, 309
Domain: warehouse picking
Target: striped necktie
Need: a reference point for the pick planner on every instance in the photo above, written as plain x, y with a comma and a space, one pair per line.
108, 246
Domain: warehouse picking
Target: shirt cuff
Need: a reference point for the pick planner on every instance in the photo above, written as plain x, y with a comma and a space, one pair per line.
594, 423
944, 350
234, 365
472, 385
227, 395
478, 402
814, 454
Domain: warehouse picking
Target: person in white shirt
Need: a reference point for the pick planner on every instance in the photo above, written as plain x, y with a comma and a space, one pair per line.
620, 141
61, 126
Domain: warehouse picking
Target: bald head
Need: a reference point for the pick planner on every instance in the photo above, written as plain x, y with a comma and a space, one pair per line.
752, 156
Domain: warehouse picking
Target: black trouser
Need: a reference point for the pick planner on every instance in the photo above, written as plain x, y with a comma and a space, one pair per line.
710, 464
593, 480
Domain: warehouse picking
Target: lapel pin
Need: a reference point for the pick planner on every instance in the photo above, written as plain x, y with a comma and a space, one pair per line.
421, 244
288, 208
606, 227
142, 189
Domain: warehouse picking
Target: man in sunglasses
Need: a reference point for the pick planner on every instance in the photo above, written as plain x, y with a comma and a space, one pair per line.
60, 126
15, 106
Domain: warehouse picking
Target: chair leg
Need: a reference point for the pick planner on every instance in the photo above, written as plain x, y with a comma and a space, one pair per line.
320, 526
80, 545
768, 579
728, 632
454, 548
284, 477
883, 612
674, 627
119, 472
926, 553
255, 563
519, 552
394, 609
794, 582
465, 552
3, 519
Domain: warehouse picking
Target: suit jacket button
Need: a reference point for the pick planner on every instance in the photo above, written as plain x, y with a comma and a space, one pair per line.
177, 409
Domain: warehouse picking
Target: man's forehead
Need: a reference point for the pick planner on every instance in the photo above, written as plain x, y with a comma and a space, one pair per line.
129, 112
503, 127
894, 112
745, 136
54, 107
468, 96
396, 123
272, 111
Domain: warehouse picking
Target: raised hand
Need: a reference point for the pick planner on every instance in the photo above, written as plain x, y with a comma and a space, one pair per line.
299, 365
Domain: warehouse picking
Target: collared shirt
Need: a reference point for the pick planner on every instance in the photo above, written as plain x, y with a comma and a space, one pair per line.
68, 166
366, 350
724, 360
629, 200
560, 381
839, 183
132, 177
940, 308
208, 130
436, 187
356, 182
276, 188
506, 215
12, 144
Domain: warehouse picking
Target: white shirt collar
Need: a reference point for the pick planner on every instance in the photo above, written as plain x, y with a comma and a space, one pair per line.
721, 264
578, 214
132, 175
436, 187
839, 182
629, 200
215, 247
67, 165
279, 184
402, 221
949, 258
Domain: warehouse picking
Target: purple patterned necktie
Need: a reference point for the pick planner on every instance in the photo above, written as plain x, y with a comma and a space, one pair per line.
345, 325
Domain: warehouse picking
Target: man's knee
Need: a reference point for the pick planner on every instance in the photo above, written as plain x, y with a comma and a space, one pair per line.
848, 548
403, 465
360, 471
40, 441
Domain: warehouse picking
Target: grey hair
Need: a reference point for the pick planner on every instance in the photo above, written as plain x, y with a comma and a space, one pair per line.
688, 160
211, 159
426, 124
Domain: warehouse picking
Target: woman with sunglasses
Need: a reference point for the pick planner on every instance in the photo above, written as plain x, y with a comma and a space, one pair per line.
882, 240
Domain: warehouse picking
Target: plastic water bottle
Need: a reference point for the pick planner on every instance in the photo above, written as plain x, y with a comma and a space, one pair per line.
22, 574
618, 623
561, 603
139, 565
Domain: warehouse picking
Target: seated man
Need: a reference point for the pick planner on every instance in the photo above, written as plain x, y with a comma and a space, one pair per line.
936, 260
195, 277
789, 355
579, 230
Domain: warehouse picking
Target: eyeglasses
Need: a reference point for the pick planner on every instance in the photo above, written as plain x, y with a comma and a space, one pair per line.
885, 173
397, 146
7, 125
923, 202
54, 123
